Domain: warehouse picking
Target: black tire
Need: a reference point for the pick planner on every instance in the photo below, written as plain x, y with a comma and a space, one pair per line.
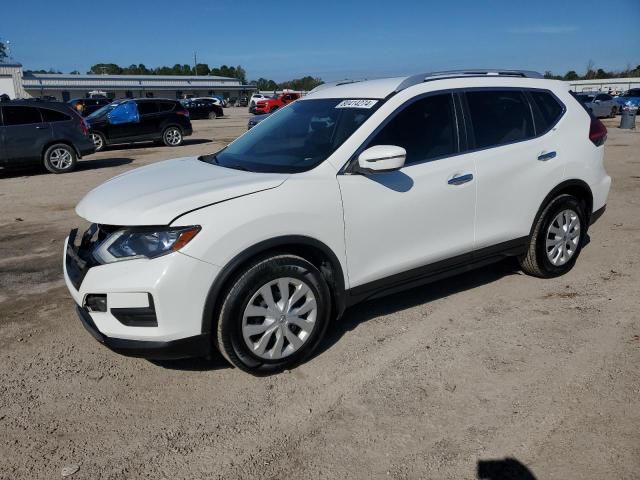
536, 261
98, 140
614, 112
60, 158
212, 115
229, 334
172, 136
273, 109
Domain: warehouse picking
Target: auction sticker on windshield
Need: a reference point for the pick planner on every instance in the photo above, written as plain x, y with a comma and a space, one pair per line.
356, 103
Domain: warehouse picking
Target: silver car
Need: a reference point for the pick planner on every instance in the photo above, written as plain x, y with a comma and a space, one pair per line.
600, 104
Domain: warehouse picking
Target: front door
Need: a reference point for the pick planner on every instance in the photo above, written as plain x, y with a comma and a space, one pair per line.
423, 213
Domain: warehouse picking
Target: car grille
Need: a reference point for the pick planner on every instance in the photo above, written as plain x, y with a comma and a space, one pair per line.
79, 255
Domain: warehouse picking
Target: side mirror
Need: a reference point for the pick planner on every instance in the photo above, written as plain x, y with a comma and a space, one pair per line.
382, 158
596, 101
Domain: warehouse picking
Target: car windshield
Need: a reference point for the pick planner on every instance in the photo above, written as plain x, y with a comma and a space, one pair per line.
297, 138
103, 111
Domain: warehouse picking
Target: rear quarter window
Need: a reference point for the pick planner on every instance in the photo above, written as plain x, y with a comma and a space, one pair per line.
53, 115
547, 110
167, 106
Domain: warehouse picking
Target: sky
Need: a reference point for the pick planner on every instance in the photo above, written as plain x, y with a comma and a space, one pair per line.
330, 39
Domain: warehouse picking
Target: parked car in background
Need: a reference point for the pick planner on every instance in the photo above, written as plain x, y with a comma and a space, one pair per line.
270, 105
139, 120
353, 192
86, 106
255, 98
50, 134
630, 98
600, 104
203, 108
256, 119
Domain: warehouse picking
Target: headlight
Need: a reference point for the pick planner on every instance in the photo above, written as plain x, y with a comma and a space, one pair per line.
128, 244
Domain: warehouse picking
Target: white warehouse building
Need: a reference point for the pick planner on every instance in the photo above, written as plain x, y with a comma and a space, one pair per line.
64, 87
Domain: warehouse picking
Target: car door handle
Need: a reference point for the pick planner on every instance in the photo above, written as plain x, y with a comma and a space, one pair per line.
543, 157
460, 179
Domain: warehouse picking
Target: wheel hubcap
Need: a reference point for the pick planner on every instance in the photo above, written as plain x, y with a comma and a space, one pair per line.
563, 237
61, 158
279, 318
173, 136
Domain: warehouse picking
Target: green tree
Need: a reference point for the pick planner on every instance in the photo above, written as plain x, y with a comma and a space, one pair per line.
105, 68
571, 75
3, 51
74, 72
202, 69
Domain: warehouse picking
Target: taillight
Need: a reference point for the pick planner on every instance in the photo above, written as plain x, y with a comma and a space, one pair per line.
597, 132
184, 113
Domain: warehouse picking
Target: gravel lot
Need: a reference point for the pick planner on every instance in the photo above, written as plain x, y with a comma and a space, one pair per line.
443, 381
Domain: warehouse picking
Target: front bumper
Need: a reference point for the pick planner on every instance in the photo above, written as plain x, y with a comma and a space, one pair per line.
196, 346
154, 308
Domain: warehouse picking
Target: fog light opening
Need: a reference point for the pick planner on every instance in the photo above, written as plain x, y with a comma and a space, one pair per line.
96, 302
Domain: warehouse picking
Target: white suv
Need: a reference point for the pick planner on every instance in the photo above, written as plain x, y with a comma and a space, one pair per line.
354, 191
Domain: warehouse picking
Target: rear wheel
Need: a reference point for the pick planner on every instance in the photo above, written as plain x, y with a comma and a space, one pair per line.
273, 109
557, 238
274, 315
60, 158
98, 140
172, 137
614, 112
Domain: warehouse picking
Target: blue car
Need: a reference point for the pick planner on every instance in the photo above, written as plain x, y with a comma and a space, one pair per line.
256, 119
631, 98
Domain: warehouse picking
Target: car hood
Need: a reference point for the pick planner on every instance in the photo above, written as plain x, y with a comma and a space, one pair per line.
159, 193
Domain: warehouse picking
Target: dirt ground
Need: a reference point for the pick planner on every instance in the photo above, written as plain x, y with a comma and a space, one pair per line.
491, 374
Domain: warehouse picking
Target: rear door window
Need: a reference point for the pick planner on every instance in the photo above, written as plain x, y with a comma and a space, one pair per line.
53, 115
146, 108
547, 110
499, 117
20, 115
426, 129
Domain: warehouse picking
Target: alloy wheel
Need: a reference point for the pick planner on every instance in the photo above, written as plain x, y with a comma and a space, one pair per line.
97, 141
61, 158
173, 136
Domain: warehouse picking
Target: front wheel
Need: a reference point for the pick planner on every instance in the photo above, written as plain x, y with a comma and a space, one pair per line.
274, 315
557, 238
172, 137
60, 158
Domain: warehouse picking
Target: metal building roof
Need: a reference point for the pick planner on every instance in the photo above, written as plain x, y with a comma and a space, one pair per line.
67, 81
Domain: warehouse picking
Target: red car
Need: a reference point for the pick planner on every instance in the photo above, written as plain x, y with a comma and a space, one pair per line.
270, 105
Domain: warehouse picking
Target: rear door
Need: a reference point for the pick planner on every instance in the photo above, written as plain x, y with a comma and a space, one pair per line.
24, 134
150, 118
518, 162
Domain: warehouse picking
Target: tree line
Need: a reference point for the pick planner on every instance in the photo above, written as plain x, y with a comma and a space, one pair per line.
302, 84
593, 73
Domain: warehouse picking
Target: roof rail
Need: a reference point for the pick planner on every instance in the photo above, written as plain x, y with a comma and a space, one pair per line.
322, 86
476, 72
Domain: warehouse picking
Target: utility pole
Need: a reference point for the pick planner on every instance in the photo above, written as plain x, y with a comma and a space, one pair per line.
195, 63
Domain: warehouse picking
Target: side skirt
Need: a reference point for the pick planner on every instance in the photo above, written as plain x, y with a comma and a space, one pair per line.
436, 271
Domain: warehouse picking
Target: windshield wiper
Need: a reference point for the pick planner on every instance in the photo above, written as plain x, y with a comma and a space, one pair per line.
236, 167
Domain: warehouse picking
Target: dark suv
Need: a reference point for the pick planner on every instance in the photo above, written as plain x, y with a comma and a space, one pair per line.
139, 120
50, 134
86, 106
